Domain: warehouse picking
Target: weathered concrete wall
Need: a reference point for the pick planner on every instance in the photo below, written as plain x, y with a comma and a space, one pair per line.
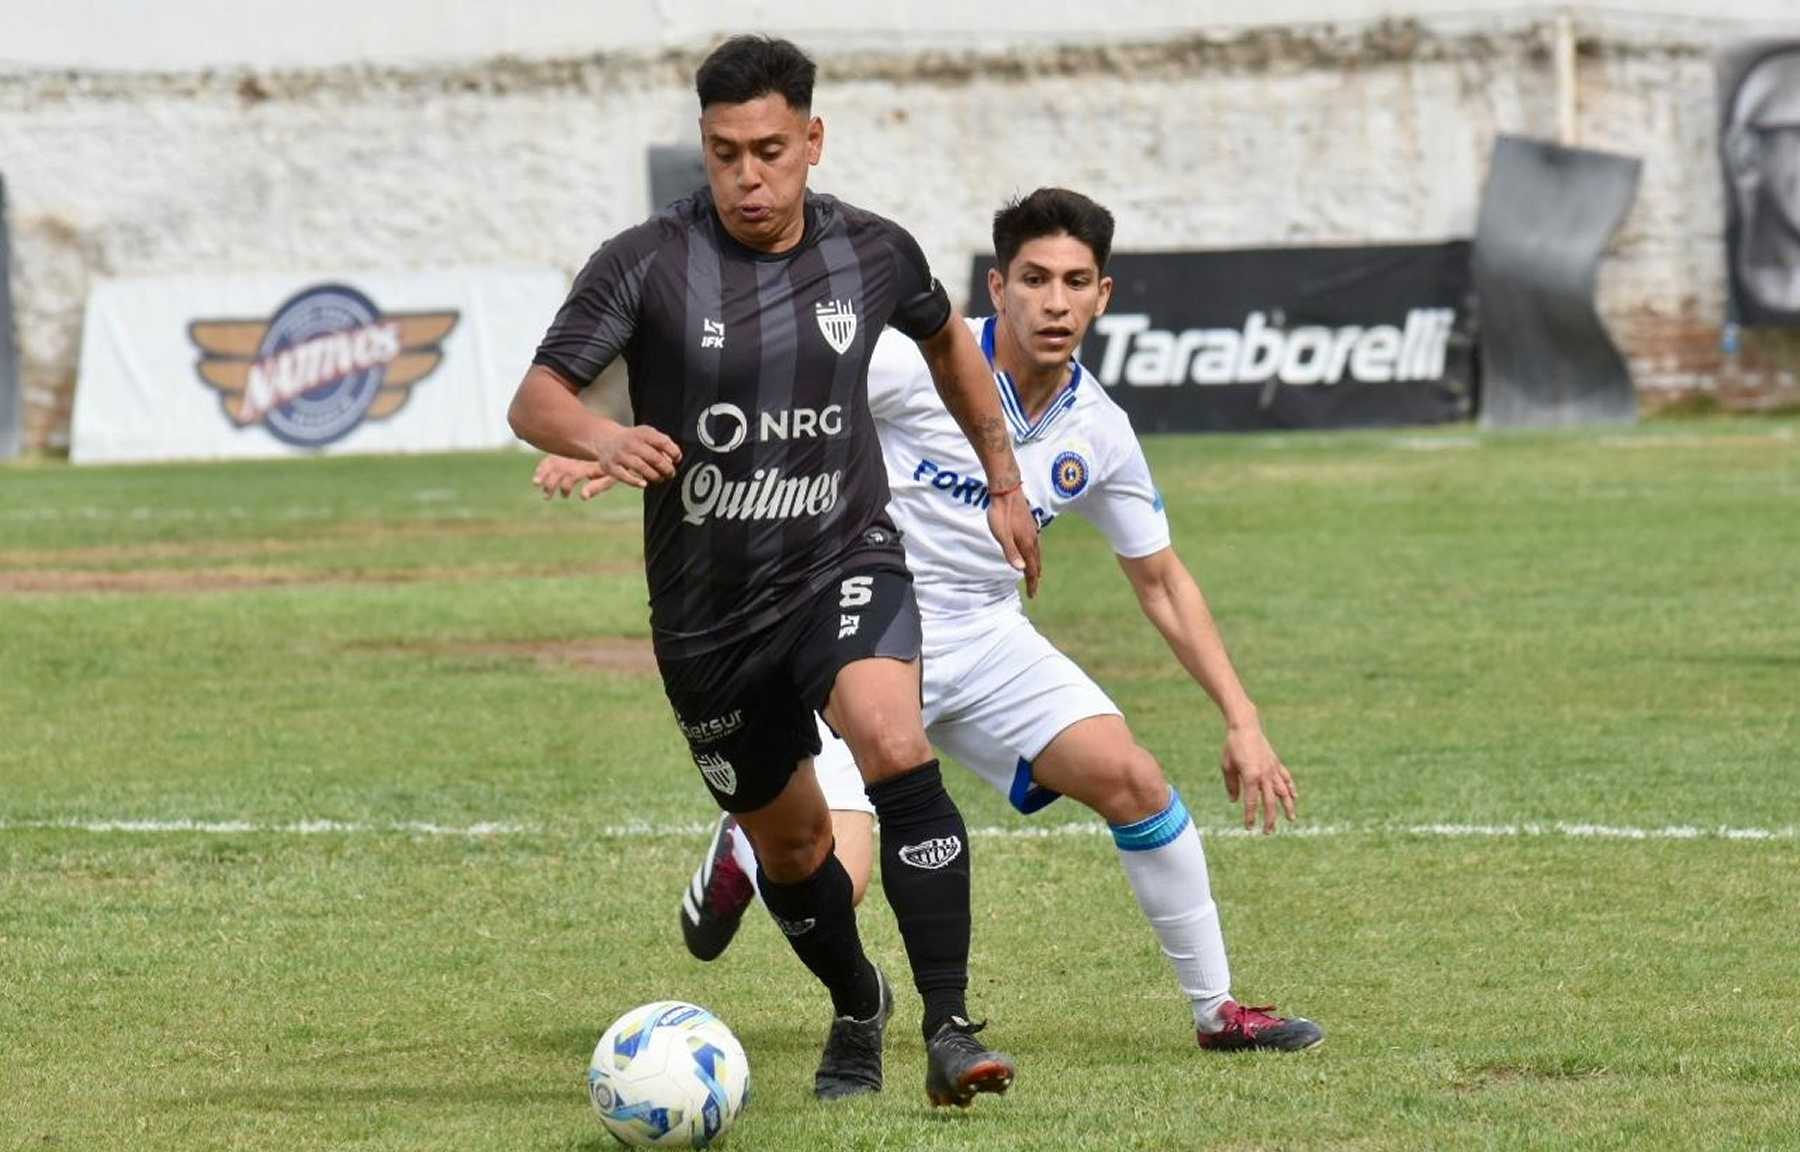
1295, 135
129, 35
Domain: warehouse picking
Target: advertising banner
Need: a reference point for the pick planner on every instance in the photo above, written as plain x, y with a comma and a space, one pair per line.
185, 368
1246, 339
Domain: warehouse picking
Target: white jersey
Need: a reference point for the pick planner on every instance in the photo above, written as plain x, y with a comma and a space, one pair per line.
1080, 456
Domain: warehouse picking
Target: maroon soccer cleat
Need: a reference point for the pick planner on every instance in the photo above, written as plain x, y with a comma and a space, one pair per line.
1259, 1029
713, 905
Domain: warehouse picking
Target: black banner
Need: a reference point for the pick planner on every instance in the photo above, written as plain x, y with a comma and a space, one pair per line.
1284, 337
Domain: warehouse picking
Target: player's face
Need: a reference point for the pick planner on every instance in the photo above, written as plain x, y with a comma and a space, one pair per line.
757, 154
1048, 297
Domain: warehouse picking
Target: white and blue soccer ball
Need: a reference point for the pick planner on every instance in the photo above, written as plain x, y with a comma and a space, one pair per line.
668, 1075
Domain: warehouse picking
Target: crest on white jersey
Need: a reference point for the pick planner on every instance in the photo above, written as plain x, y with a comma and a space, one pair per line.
1069, 474
837, 320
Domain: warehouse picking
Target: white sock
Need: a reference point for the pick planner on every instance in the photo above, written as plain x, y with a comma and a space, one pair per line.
1167, 869
744, 854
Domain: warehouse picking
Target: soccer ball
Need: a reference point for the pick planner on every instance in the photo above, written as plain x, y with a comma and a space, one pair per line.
668, 1075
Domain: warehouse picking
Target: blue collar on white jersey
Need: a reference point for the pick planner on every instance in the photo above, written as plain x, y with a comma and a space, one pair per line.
1023, 430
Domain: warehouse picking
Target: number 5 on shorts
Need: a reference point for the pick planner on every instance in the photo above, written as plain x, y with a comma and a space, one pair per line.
856, 592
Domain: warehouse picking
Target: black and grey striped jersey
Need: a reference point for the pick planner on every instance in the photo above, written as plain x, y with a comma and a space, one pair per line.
756, 363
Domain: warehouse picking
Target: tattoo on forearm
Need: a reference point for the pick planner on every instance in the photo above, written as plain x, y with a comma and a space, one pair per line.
989, 435
981, 421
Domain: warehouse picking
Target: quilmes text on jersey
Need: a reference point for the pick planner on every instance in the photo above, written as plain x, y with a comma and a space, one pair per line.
1133, 352
767, 495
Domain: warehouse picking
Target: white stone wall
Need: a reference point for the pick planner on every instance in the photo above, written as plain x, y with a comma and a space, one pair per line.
1253, 138
132, 35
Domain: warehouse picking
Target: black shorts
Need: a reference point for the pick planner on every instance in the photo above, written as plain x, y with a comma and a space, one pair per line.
747, 707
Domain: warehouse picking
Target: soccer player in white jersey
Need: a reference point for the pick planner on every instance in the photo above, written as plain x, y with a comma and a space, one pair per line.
998, 696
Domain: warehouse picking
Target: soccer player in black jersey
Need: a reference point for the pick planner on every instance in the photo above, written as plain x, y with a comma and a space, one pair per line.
747, 315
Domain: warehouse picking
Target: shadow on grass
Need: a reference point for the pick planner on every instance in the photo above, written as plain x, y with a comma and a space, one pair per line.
805, 1038
1742, 659
578, 1042
330, 1097
572, 1043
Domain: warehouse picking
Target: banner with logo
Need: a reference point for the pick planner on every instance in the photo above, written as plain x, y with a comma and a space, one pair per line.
183, 368
1247, 339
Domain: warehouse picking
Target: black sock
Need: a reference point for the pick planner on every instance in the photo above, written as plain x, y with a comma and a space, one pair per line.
925, 873
819, 920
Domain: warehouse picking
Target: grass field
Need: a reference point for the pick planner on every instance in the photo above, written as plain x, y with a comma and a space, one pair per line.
340, 808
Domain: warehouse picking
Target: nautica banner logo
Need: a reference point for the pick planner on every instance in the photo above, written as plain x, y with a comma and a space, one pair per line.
326, 361
838, 321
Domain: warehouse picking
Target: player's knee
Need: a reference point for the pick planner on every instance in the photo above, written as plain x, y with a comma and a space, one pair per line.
891, 753
1128, 786
789, 855
792, 861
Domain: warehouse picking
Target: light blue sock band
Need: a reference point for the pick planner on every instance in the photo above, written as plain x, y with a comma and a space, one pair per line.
1153, 832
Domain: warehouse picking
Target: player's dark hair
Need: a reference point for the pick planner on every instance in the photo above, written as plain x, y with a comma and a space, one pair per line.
747, 67
1049, 212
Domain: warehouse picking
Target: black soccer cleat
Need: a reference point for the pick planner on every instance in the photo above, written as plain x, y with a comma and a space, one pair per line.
714, 903
957, 1066
851, 1064
1248, 1029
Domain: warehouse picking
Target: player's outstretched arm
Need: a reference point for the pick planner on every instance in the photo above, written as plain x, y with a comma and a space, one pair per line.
547, 414
1169, 596
966, 383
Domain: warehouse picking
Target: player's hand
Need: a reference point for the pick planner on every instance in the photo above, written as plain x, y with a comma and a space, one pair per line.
637, 454
1255, 776
559, 475
1011, 522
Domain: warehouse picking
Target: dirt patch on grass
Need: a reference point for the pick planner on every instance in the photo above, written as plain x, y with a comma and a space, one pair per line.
628, 654
151, 551
64, 581
225, 578
1493, 1076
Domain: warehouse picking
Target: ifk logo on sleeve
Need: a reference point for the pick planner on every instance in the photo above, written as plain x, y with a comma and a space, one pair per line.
326, 361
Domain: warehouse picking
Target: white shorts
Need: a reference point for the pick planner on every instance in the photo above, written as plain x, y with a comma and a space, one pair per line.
996, 694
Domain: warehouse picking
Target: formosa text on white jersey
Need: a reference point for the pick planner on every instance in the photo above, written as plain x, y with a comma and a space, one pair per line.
1079, 456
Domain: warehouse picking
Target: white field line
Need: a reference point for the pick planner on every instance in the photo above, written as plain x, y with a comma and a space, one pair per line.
1435, 443
648, 831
